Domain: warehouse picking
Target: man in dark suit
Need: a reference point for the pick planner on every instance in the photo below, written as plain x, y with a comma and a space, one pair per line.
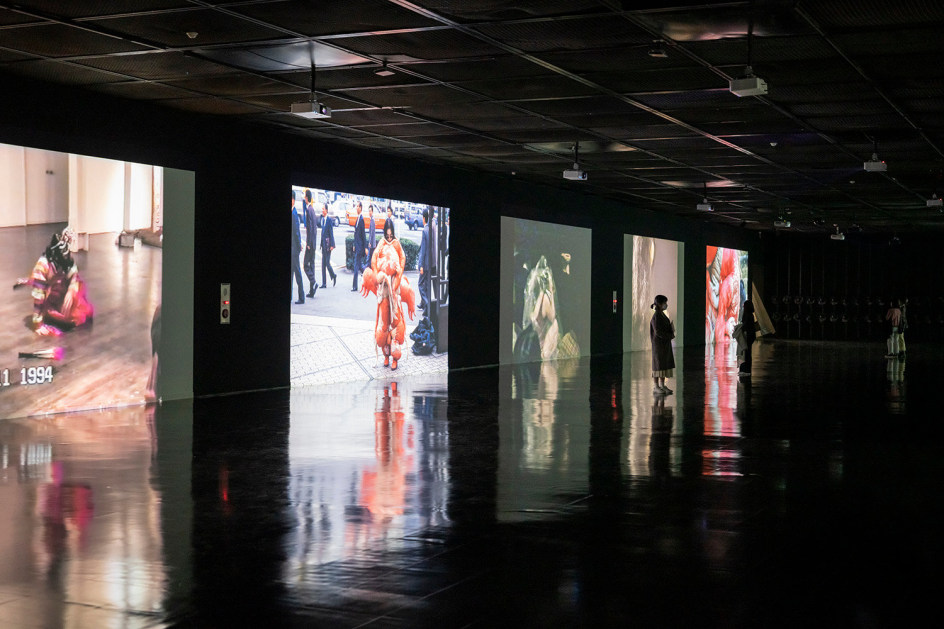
311, 242
425, 263
327, 245
371, 236
360, 244
296, 251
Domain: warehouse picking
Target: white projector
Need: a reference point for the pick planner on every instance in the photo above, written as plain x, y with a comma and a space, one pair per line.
311, 109
875, 165
838, 236
576, 174
748, 86
781, 223
935, 202
704, 206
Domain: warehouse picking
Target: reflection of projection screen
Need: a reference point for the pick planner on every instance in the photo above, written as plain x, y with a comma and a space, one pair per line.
360, 472
651, 266
545, 291
543, 440
81, 243
363, 311
725, 289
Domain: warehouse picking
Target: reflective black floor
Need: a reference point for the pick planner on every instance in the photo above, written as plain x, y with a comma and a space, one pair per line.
562, 495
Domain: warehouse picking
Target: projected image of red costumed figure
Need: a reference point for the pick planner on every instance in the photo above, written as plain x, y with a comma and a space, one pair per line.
723, 278
385, 279
60, 301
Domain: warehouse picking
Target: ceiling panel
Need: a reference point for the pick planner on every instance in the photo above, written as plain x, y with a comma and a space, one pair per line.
505, 85
59, 40
170, 29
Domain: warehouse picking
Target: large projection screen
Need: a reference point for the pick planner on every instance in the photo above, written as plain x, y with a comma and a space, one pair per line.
726, 289
81, 258
545, 291
341, 334
651, 266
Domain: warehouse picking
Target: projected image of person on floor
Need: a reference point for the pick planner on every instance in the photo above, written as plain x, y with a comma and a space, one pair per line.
60, 301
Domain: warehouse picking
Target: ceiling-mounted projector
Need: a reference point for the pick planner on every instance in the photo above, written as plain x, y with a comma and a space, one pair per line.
781, 223
311, 109
935, 201
838, 236
576, 174
748, 86
875, 165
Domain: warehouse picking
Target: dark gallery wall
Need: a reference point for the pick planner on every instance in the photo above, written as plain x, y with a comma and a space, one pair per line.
241, 223
818, 288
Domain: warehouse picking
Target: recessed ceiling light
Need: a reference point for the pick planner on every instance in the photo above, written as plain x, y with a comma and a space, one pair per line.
384, 70
657, 50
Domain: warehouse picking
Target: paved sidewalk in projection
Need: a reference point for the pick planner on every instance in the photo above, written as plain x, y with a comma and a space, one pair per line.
327, 350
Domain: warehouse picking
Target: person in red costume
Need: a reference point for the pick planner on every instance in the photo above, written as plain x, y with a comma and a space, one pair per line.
60, 301
385, 279
722, 281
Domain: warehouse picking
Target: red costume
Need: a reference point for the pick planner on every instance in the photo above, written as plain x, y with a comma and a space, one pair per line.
60, 300
385, 279
722, 282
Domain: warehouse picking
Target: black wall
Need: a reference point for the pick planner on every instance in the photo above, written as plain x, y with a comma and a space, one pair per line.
818, 288
243, 178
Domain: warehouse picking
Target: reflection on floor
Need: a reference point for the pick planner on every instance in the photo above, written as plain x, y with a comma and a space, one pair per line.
546, 495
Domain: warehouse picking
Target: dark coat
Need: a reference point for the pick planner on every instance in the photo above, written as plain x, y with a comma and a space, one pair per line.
311, 227
661, 335
422, 259
749, 326
296, 234
360, 236
327, 233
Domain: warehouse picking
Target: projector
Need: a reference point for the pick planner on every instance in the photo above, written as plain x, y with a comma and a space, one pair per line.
875, 165
838, 236
704, 206
781, 223
576, 174
935, 202
311, 109
748, 86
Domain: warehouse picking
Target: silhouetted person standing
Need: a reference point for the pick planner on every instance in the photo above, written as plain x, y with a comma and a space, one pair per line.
749, 329
661, 333
893, 317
